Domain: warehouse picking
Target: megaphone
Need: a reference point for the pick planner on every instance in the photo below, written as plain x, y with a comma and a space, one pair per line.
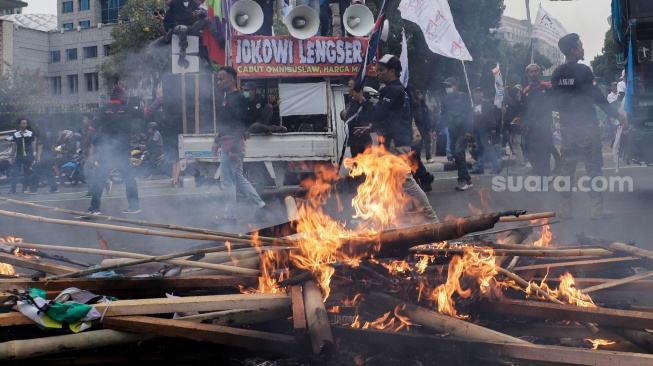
385, 31
302, 22
358, 20
246, 16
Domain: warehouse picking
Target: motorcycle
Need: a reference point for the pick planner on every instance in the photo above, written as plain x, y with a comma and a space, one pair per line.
145, 166
72, 173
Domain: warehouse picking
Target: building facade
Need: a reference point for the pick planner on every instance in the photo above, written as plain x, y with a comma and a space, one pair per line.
69, 51
516, 31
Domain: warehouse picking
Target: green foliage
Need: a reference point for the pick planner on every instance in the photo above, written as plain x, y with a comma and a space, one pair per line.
129, 61
514, 59
605, 65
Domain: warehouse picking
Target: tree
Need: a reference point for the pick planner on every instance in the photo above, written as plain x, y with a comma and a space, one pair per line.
129, 60
20, 86
605, 65
513, 60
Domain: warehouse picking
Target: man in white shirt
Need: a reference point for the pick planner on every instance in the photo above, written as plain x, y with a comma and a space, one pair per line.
614, 94
621, 86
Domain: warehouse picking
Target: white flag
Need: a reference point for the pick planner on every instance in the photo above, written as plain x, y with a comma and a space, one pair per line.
404, 59
435, 19
498, 86
548, 28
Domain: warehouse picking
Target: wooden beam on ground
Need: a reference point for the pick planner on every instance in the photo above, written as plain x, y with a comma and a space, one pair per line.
583, 283
245, 338
540, 309
618, 282
521, 351
546, 330
298, 313
237, 317
136, 287
177, 304
592, 265
317, 318
36, 264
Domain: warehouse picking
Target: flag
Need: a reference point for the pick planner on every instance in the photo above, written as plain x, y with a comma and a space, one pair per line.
372, 46
404, 59
630, 75
548, 28
435, 19
218, 13
498, 86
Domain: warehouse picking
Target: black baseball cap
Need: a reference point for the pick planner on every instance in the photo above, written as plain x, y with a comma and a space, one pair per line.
391, 62
250, 85
450, 81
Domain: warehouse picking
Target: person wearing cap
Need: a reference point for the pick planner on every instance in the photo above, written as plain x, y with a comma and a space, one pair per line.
111, 148
458, 116
537, 122
391, 118
575, 98
485, 128
259, 111
229, 145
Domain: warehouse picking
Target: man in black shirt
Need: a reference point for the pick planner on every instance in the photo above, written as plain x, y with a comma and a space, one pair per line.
458, 117
575, 95
229, 145
23, 147
259, 111
485, 126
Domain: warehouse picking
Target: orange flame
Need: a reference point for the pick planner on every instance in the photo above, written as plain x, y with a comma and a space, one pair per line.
484, 195
599, 342
546, 236
18, 252
475, 210
8, 269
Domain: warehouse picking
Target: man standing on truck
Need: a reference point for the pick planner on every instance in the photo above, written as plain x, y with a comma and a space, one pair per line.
575, 95
391, 117
259, 111
230, 144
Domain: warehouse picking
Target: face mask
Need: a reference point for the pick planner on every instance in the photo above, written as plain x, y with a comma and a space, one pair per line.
449, 90
246, 94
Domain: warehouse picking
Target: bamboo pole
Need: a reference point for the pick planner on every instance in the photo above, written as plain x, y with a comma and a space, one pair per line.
505, 230
622, 247
145, 223
132, 230
10, 250
240, 317
317, 319
230, 269
535, 216
518, 252
619, 282
114, 253
441, 323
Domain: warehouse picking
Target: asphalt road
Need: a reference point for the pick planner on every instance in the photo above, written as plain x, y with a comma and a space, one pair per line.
196, 207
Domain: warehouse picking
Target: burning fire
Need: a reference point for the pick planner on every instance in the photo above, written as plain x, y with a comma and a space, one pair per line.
599, 342
386, 322
7, 269
546, 236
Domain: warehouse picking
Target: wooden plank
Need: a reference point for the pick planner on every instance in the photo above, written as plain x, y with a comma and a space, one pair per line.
178, 304
533, 329
136, 287
540, 309
576, 266
521, 351
36, 264
582, 283
219, 334
298, 315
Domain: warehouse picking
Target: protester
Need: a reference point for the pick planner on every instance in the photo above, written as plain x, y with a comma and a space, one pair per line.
421, 137
537, 122
613, 95
575, 100
391, 118
268, 17
259, 111
512, 125
43, 167
485, 127
621, 86
88, 131
110, 147
229, 143
457, 114
422, 116
23, 148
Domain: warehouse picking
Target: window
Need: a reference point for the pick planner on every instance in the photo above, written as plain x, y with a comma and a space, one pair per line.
67, 7
110, 10
107, 49
90, 52
55, 56
91, 81
55, 82
71, 53
83, 5
72, 84
68, 26
85, 23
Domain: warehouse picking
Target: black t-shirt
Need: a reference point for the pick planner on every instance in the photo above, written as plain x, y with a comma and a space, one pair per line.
576, 94
231, 118
255, 108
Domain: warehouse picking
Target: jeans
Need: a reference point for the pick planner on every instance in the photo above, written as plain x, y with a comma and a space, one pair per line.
581, 143
487, 152
231, 177
44, 170
459, 144
515, 146
24, 163
102, 173
420, 200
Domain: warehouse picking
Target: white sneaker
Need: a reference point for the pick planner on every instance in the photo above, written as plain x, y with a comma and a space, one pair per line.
431, 160
463, 186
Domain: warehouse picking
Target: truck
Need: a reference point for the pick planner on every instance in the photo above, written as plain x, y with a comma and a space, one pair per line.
632, 25
308, 75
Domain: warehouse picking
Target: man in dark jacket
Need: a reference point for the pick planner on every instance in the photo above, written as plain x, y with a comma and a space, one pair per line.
457, 112
111, 148
229, 145
485, 126
575, 97
391, 118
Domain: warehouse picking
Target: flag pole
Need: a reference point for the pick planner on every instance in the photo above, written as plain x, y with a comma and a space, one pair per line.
503, 115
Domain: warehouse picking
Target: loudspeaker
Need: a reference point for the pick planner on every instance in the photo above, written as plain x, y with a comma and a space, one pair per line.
302, 22
385, 31
358, 20
246, 16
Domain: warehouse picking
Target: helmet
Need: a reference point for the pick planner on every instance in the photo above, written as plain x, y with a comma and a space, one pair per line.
153, 126
77, 136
